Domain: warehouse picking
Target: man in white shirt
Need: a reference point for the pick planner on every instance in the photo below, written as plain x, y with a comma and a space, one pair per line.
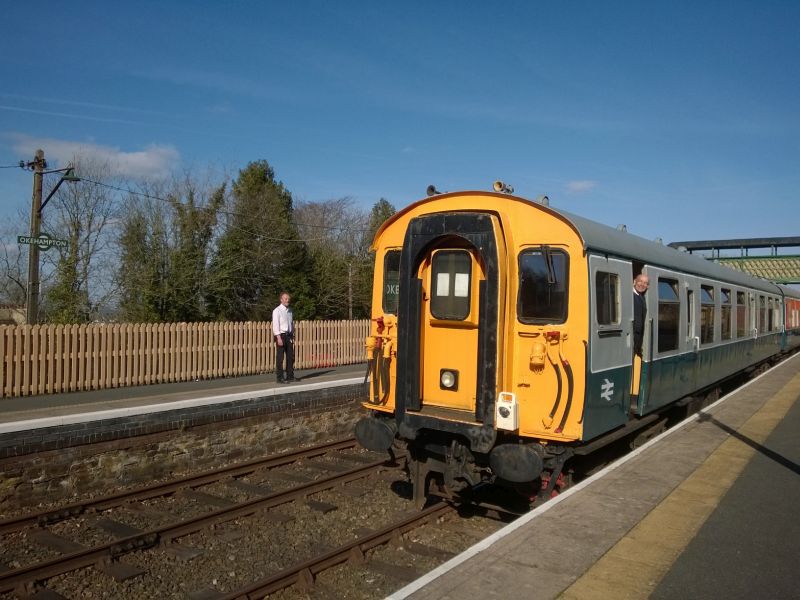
283, 330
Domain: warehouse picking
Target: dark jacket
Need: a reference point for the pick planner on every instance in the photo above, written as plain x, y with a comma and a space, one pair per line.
639, 314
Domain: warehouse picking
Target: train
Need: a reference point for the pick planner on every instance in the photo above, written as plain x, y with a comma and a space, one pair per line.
501, 339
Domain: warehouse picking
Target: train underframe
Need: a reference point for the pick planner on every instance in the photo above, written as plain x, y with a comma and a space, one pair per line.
442, 465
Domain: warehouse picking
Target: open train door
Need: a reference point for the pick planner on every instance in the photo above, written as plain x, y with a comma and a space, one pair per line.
611, 343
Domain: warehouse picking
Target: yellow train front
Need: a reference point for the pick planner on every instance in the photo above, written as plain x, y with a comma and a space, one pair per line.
501, 338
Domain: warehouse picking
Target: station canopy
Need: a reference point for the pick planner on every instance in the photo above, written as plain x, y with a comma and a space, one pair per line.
775, 258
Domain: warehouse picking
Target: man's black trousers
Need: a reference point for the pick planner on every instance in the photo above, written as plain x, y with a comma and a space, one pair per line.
287, 350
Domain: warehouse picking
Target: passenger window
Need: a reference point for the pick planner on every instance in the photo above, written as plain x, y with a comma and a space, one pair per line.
706, 314
725, 313
762, 314
741, 315
777, 312
607, 298
391, 281
542, 286
770, 315
451, 273
669, 308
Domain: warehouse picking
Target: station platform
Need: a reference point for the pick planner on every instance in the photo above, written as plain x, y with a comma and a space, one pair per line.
55, 409
709, 509
51, 422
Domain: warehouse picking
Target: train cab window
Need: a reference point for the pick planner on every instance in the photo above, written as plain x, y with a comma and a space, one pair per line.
669, 308
741, 315
542, 286
607, 298
725, 313
706, 314
391, 281
451, 273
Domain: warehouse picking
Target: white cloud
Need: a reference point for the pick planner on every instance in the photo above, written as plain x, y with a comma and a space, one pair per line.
153, 161
61, 101
11, 249
220, 109
580, 187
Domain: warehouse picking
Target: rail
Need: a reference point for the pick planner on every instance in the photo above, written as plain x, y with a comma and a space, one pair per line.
24, 578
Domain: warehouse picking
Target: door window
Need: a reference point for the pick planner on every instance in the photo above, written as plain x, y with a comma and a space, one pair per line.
771, 321
607, 298
669, 308
725, 313
451, 273
741, 315
706, 314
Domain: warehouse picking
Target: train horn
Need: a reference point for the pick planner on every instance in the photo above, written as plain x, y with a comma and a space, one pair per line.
432, 191
503, 188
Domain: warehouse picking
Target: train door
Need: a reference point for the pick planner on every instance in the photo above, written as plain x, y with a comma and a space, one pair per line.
450, 326
450, 316
671, 362
690, 347
611, 339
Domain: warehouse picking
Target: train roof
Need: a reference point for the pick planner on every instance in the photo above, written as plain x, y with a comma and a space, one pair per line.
609, 240
602, 238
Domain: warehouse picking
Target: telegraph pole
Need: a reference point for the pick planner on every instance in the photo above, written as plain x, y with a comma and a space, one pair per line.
32, 305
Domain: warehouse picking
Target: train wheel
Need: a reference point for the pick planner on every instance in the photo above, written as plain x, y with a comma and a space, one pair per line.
561, 483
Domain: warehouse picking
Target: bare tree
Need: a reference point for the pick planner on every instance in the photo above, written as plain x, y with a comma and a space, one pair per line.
13, 261
79, 281
336, 234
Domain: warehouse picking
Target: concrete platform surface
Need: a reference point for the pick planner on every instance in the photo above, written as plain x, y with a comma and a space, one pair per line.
706, 510
55, 409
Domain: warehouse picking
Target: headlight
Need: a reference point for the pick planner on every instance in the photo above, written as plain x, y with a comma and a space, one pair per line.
448, 379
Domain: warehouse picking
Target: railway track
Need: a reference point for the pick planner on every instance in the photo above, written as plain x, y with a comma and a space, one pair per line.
299, 574
303, 574
50, 516
107, 556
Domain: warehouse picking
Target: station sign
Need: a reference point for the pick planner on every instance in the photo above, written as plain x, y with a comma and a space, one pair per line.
44, 241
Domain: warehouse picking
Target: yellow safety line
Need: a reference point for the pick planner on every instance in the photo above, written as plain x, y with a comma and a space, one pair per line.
637, 563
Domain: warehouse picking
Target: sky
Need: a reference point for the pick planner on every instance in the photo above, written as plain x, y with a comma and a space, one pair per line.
679, 119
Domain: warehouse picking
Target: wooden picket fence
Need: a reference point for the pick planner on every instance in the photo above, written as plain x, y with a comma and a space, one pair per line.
47, 359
